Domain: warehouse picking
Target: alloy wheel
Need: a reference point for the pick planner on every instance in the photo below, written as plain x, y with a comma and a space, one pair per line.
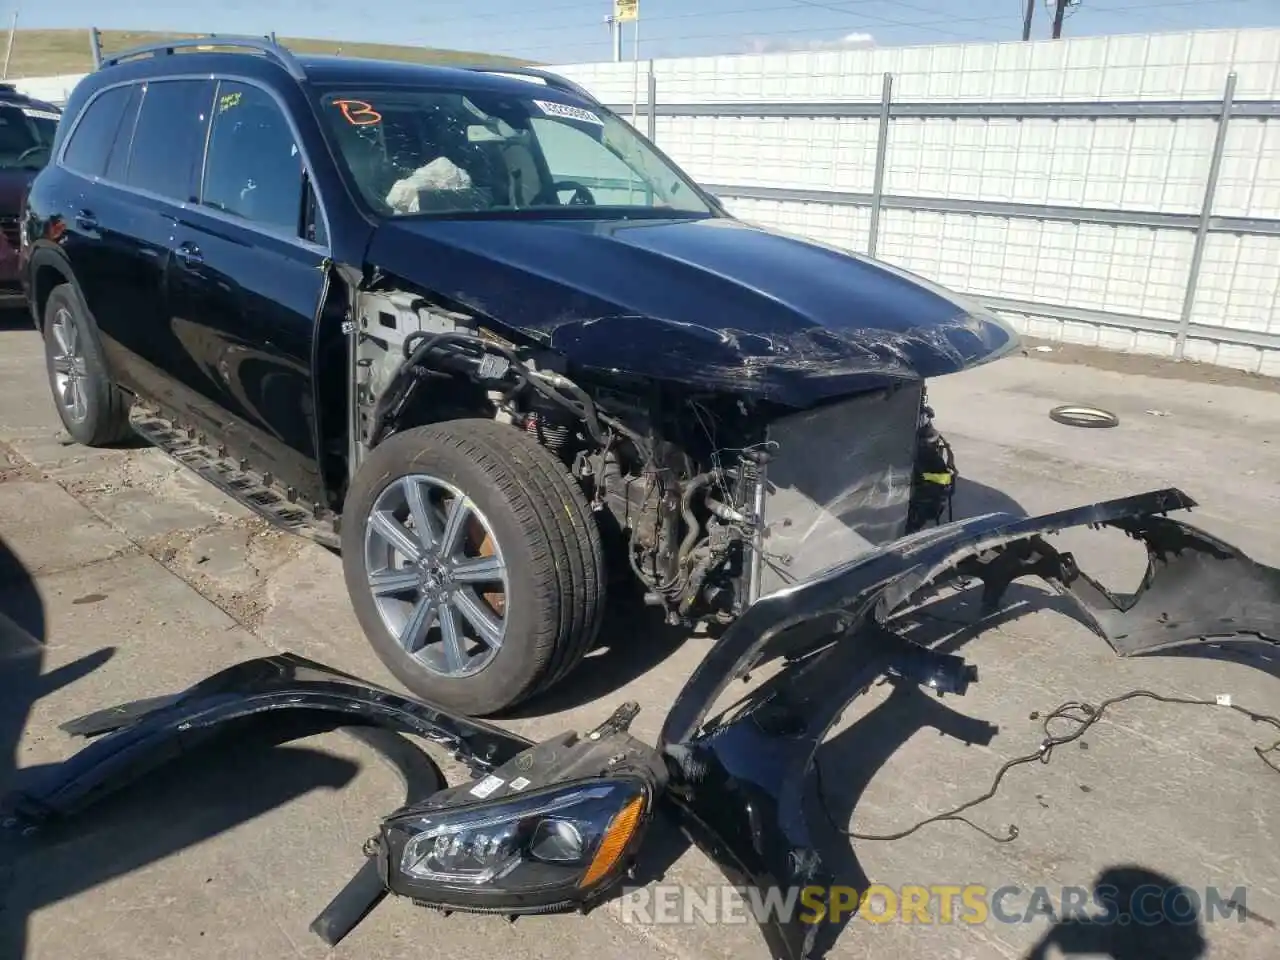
437, 575
69, 369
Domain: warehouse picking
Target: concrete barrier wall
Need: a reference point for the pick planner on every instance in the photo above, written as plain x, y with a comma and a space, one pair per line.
50, 89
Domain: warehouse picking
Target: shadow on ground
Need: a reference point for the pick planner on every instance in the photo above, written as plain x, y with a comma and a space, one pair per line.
633, 641
15, 317
190, 801
973, 499
1147, 915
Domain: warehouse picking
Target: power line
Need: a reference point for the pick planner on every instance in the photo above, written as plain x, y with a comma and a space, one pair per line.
934, 26
845, 7
943, 26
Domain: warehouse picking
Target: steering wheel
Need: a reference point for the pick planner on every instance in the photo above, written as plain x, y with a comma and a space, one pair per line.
32, 151
582, 197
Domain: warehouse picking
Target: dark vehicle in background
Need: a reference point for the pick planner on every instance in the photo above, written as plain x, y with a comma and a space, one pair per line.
474, 331
27, 129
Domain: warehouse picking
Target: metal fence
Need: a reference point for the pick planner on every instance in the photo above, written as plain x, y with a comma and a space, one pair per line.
1202, 224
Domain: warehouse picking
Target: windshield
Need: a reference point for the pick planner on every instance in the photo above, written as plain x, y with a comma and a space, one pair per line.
450, 154
26, 136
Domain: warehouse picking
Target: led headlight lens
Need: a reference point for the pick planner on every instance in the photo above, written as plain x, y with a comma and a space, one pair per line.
548, 846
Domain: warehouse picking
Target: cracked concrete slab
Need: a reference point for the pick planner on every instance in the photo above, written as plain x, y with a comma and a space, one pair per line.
47, 530
231, 564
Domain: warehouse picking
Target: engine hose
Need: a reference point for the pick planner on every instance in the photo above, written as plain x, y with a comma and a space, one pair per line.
418, 344
543, 383
651, 582
642, 444
686, 511
589, 408
584, 411
392, 398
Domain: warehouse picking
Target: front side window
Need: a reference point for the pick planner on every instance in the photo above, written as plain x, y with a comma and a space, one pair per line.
254, 168
168, 140
454, 153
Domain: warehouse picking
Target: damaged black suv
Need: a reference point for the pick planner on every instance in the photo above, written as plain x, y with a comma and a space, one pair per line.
474, 331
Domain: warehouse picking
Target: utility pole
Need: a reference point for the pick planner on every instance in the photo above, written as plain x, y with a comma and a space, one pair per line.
1059, 12
8, 50
615, 37
1026, 19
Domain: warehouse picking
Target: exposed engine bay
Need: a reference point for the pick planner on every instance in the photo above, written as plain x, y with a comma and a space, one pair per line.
712, 500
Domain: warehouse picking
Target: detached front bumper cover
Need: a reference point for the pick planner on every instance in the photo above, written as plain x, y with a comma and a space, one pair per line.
736, 782
740, 783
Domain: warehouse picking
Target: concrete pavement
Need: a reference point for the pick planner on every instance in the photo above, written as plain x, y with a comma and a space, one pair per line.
132, 578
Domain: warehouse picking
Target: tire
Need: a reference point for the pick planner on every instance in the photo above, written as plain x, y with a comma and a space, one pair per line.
71, 349
541, 530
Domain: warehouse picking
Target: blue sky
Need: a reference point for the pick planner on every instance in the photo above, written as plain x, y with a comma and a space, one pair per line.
562, 31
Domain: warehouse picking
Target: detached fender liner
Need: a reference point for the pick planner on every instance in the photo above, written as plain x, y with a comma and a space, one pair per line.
739, 782
285, 696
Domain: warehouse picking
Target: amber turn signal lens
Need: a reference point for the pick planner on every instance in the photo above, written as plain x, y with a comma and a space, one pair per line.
616, 839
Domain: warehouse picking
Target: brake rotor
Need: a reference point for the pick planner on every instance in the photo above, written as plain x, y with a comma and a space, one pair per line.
479, 539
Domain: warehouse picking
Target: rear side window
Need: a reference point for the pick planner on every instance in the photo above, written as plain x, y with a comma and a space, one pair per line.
254, 168
118, 159
168, 140
92, 137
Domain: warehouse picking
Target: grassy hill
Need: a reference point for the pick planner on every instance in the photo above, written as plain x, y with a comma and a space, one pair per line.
40, 53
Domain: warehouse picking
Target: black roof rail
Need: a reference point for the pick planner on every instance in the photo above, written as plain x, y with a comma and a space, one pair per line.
264, 45
546, 76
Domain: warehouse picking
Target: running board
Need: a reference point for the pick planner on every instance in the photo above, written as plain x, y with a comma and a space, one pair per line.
234, 478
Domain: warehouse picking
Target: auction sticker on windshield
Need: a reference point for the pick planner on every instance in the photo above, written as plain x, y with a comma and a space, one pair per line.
553, 109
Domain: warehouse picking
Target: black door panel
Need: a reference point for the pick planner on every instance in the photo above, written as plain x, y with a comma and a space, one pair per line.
244, 289
243, 313
119, 250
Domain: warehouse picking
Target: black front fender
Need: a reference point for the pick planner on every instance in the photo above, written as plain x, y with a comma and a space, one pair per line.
138, 737
738, 782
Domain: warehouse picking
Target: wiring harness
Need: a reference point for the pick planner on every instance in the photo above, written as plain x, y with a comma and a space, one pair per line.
1083, 715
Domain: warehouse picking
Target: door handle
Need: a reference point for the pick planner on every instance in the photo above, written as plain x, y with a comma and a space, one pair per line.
85, 220
189, 254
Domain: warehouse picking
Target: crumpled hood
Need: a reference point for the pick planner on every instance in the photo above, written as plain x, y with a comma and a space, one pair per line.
712, 302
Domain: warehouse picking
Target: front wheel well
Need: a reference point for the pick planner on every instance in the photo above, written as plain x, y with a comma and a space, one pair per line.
46, 279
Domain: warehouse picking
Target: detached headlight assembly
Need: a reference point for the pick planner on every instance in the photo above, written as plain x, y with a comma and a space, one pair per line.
552, 848
549, 830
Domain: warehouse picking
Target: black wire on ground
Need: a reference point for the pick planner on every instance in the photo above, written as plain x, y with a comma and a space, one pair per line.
1084, 715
